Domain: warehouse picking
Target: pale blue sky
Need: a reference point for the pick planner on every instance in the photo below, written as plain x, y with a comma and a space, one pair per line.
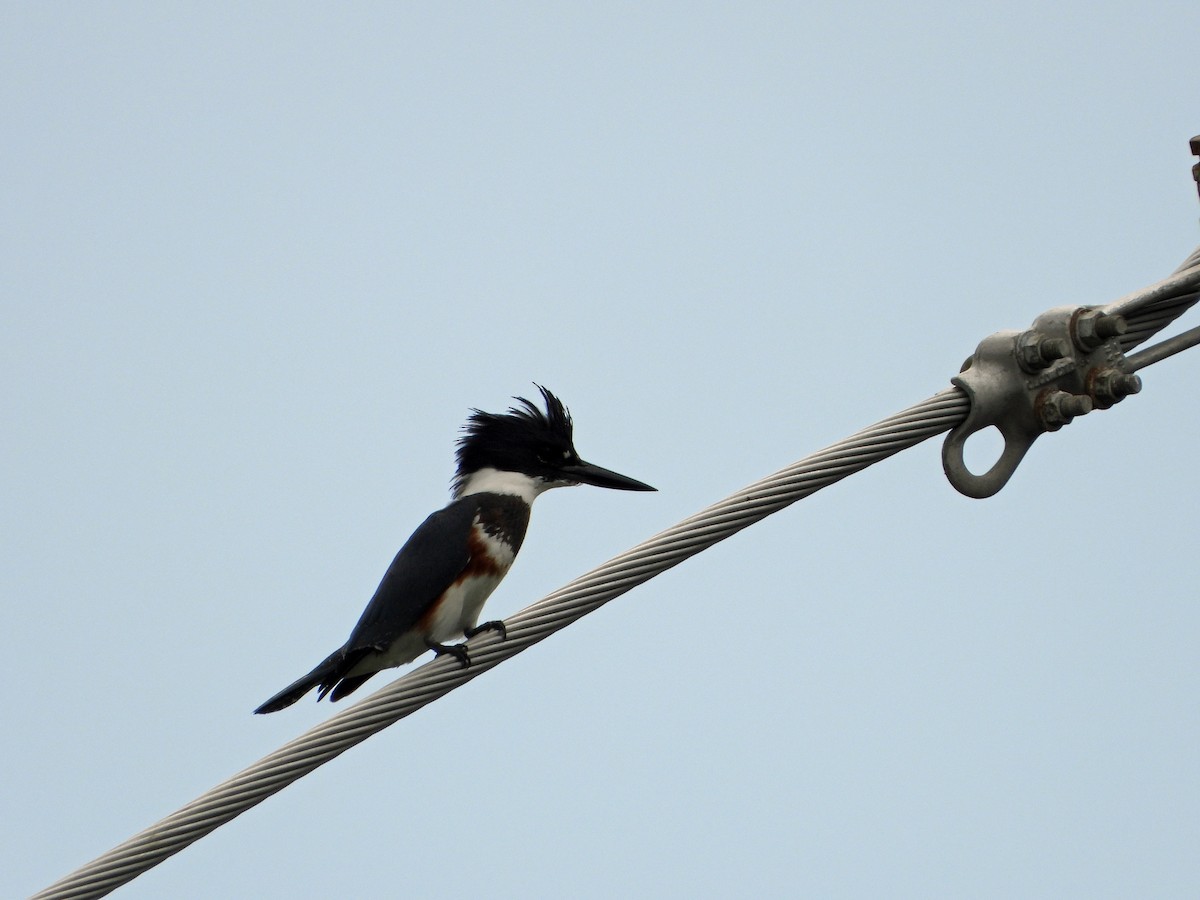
259, 261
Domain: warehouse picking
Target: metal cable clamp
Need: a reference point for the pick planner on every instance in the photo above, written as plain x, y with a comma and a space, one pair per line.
1026, 383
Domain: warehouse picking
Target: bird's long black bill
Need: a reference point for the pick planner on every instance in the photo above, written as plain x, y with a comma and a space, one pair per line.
586, 473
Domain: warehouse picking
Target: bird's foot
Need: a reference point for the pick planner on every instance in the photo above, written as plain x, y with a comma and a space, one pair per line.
495, 625
458, 651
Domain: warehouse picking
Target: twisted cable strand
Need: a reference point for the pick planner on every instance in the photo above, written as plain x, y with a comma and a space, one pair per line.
1153, 308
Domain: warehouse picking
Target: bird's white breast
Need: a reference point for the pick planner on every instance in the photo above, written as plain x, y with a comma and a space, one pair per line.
459, 605
491, 558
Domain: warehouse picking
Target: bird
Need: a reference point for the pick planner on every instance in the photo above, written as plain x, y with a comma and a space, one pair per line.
436, 586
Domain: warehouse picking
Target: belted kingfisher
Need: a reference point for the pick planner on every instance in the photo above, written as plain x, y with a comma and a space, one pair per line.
436, 586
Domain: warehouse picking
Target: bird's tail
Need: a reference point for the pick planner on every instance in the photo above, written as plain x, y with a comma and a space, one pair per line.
324, 676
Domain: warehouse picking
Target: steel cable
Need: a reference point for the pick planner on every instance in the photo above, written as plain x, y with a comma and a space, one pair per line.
1147, 310
1155, 307
525, 628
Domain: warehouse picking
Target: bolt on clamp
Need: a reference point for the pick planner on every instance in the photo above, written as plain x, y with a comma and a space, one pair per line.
1194, 145
1029, 382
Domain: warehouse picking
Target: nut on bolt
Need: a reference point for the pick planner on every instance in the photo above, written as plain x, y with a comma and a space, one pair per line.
1057, 408
1194, 146
1035, 351
1090, 328
1110, 385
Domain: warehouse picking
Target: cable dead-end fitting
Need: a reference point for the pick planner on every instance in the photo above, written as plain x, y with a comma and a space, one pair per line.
1026, 383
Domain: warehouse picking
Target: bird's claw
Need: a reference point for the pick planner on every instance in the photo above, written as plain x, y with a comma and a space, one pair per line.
494, 625
458, 651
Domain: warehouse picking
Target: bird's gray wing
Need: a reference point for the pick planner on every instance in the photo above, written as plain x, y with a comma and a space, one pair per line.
428, 563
